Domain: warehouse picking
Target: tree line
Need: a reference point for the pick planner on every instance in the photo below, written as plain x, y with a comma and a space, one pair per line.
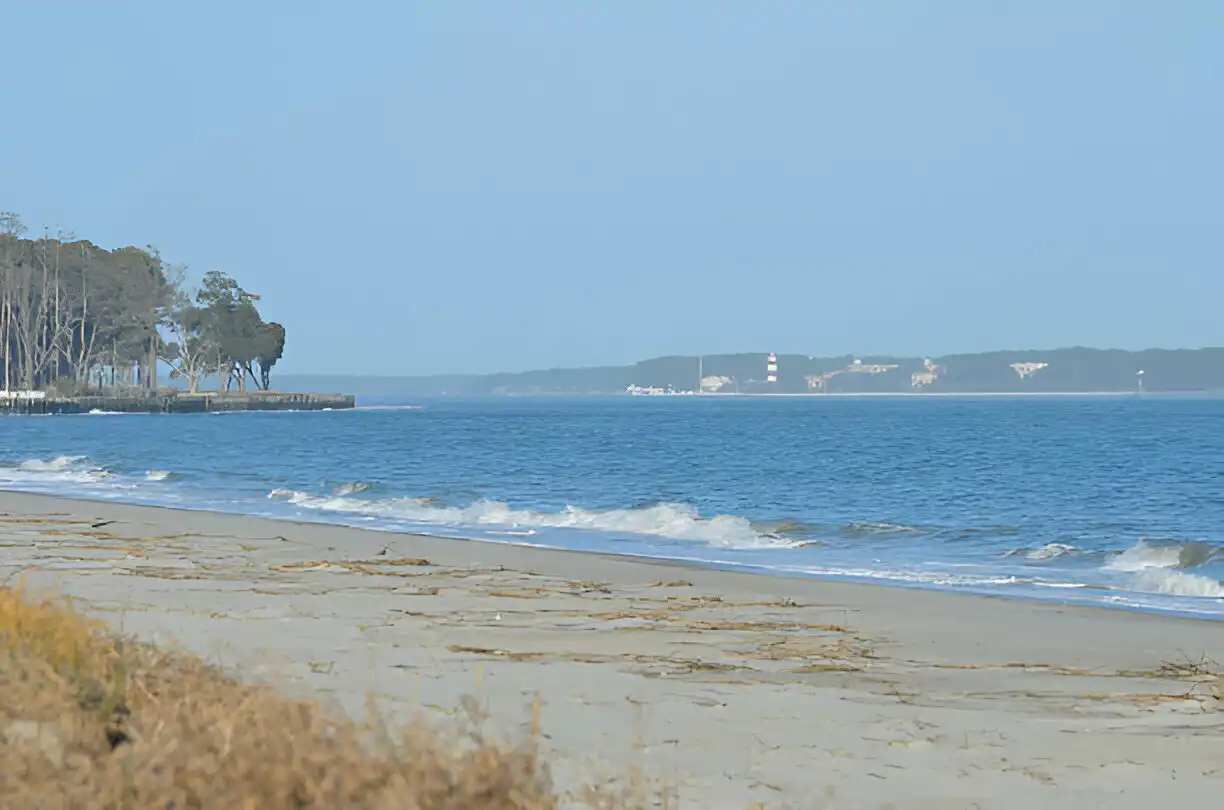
77, 318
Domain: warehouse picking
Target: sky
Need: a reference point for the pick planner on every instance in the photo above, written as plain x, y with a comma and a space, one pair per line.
431, 187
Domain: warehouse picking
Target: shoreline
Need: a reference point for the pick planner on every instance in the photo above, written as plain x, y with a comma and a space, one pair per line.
733, 688
939, 394
1205, 393
1065, 600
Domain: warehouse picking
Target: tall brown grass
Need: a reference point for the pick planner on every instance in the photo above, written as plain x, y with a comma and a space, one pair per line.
90, 719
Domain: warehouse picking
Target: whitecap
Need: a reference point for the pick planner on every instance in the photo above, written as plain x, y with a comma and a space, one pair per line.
1050, 551
51, 465
928, 578
58, 470
1177, 583
668, 520
351, 488
1145, 555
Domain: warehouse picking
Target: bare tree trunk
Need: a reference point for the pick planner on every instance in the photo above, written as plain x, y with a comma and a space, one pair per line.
6, 328
6, 357
247, 368
153, 350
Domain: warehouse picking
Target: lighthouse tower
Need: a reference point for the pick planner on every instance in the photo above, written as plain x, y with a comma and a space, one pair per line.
771, 368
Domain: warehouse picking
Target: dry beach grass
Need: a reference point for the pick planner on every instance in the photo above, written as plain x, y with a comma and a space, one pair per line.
94, 720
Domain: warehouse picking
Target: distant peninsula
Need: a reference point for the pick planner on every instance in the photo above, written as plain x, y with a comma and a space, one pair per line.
1055, 371
84, 328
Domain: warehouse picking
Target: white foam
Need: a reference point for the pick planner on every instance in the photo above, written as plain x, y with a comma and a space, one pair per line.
1144, 556
670, 520
1177, 583
1050, 551
937, 578
351, 488
58, 470
53, 465
158, 475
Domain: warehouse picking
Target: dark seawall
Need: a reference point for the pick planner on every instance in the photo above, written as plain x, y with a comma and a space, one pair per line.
177, 402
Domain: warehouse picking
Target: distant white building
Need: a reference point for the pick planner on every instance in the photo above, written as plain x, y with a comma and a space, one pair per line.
859, 367
817, 382
1026, 370
921, 379
655, 391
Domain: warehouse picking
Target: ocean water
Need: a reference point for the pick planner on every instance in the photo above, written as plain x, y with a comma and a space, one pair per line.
1115, 501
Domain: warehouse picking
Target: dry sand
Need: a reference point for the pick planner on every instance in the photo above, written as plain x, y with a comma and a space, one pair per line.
727, 689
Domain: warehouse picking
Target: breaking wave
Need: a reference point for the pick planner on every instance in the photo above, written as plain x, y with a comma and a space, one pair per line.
777, 528
65, 474
352, 488
53, 465
1162, 567
1050, 551
1177, 583
61, 469
1146, 555
669, 520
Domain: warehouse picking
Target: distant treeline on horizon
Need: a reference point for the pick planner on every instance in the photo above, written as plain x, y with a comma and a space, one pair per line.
1071, 370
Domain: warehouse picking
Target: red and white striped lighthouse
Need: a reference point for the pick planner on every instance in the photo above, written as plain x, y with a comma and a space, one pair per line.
771, 368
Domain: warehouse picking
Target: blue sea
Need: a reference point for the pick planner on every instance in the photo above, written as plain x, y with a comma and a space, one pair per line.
1104, 500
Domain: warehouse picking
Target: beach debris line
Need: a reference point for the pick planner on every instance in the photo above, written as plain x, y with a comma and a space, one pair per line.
359, 566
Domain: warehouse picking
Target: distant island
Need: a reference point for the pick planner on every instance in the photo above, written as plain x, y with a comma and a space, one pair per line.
86, 328
1054, 371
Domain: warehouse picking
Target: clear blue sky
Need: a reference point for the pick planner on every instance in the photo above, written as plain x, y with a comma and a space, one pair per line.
419, 187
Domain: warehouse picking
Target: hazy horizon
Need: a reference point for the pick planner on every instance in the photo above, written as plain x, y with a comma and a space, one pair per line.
515, 371
418, 189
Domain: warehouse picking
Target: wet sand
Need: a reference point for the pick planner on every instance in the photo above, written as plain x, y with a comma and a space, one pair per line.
726, 689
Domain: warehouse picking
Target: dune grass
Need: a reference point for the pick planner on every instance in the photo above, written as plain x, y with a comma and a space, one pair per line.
91, 719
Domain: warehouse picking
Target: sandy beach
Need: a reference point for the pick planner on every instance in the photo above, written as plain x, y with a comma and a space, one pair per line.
723, 689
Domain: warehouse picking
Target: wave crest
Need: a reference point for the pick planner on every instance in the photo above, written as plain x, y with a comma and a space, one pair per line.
1050, 551
669, 520
352, 488
1147, 555
51, 465
1178, 583
61, 469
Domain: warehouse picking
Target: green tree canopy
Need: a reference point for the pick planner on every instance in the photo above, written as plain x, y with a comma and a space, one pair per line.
76, 316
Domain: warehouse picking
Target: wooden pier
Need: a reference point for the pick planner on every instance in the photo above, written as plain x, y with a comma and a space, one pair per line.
23, 402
